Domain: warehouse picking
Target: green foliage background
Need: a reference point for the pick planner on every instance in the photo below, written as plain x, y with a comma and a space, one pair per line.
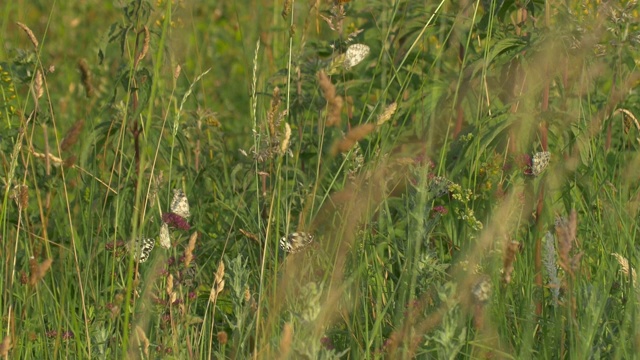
438, 232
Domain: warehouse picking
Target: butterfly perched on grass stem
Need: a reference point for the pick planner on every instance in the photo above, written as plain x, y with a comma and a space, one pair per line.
141, 249
296, 241
539, 162
180, 204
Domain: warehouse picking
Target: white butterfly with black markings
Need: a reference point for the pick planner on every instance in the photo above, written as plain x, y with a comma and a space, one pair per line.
142, 249
296, 241
180, 204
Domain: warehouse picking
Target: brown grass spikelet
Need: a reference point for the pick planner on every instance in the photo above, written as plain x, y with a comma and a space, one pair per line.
69, 162
250, 235
29, 33
72, 135
145, 46
176, 72
188, 251
38, 271
273, 111
625, 267
223, 337
142, 339
566, 231
511, 249
353, 136
5, 346
169, 288
286, 340
218, 283
20, 195
56, 160
287, 137
38, 83
86, 77
286, 9
387, 114
334, 102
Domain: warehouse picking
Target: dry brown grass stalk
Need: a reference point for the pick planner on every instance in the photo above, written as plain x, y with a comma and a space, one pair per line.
72, 135
29, 33
334, 102
353, 136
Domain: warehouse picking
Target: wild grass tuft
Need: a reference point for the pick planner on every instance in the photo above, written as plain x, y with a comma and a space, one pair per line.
325, 179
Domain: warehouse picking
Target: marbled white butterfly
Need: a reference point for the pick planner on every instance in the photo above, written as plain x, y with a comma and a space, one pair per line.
180, 204
295, 242
164, 239
142, 249
354, 55
540, 162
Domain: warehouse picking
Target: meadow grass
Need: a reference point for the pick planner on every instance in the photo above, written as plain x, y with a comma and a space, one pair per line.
319, 179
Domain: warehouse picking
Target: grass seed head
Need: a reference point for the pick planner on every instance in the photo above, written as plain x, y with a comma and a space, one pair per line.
29, 33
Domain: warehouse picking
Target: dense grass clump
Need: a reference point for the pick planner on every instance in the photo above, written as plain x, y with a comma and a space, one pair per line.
320, 179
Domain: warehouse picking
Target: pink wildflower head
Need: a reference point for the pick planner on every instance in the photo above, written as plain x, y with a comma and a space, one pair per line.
176, 221
440, 210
